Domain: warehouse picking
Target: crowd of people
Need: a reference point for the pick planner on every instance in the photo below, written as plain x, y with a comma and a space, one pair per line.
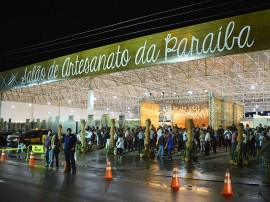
164, 140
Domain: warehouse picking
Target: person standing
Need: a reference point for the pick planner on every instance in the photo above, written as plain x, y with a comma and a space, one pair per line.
207, 143
245, 145
265, 152
21, 143
47, 147
215, 142
202, 141
55, 150
161, 144
152, 137
234, 140
220, 133
129, 139
120, 146
169, 146
141, 140
69, 149
228, 139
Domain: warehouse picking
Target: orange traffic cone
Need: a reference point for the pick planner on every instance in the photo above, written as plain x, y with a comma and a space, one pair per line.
108, 174
3, 156
31, 160
175, 184
227, 189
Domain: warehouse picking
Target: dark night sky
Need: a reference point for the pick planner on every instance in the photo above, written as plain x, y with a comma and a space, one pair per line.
28, 23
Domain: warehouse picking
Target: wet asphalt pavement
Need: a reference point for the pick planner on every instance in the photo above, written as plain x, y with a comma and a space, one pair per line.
134, 179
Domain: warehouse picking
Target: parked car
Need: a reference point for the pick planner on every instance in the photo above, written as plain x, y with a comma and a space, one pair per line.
30, 137
3, 138
12, 139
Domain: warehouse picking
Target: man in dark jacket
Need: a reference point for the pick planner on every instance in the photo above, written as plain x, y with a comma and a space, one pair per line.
161, 145
47, 146
69, 149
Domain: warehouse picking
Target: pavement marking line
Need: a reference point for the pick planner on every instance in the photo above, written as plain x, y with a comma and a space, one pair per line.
1, 181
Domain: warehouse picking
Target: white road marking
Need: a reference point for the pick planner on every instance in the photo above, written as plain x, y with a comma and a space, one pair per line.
1, 181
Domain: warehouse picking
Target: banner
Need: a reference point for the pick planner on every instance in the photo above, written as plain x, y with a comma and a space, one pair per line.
235, 35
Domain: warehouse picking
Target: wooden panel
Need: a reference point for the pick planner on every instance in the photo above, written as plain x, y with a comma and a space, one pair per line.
182, 114
228, 113
149, 111
240, 110
217, 113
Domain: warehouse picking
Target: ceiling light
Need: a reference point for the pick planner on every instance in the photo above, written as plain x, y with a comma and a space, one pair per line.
30, 104
114, 97
261, 112
108, 108
190, 92
257, 106
49, 103
12, 107
254, 109
69, 101
174, 93
252, 87
205, 90
162, 93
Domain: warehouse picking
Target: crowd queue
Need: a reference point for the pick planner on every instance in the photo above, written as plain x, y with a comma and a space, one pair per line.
164, 140
167, 139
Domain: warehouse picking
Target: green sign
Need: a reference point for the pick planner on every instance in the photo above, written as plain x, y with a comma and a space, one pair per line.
38, 149
235, 35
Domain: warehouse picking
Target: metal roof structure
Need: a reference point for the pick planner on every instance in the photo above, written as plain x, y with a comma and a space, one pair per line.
241, 78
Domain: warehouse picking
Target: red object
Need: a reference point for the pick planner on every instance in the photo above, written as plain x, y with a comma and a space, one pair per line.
108, 174
227, 189
3, 156
31, 160
175, 184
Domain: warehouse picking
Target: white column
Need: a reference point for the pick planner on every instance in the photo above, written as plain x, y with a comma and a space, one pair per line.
33, 111
90, 105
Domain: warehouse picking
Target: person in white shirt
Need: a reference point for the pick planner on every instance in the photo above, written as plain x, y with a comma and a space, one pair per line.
120, 146
79, 136
88, 135
202, 141
159, 132
207, 143
228, 139
245, 144
185, 138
